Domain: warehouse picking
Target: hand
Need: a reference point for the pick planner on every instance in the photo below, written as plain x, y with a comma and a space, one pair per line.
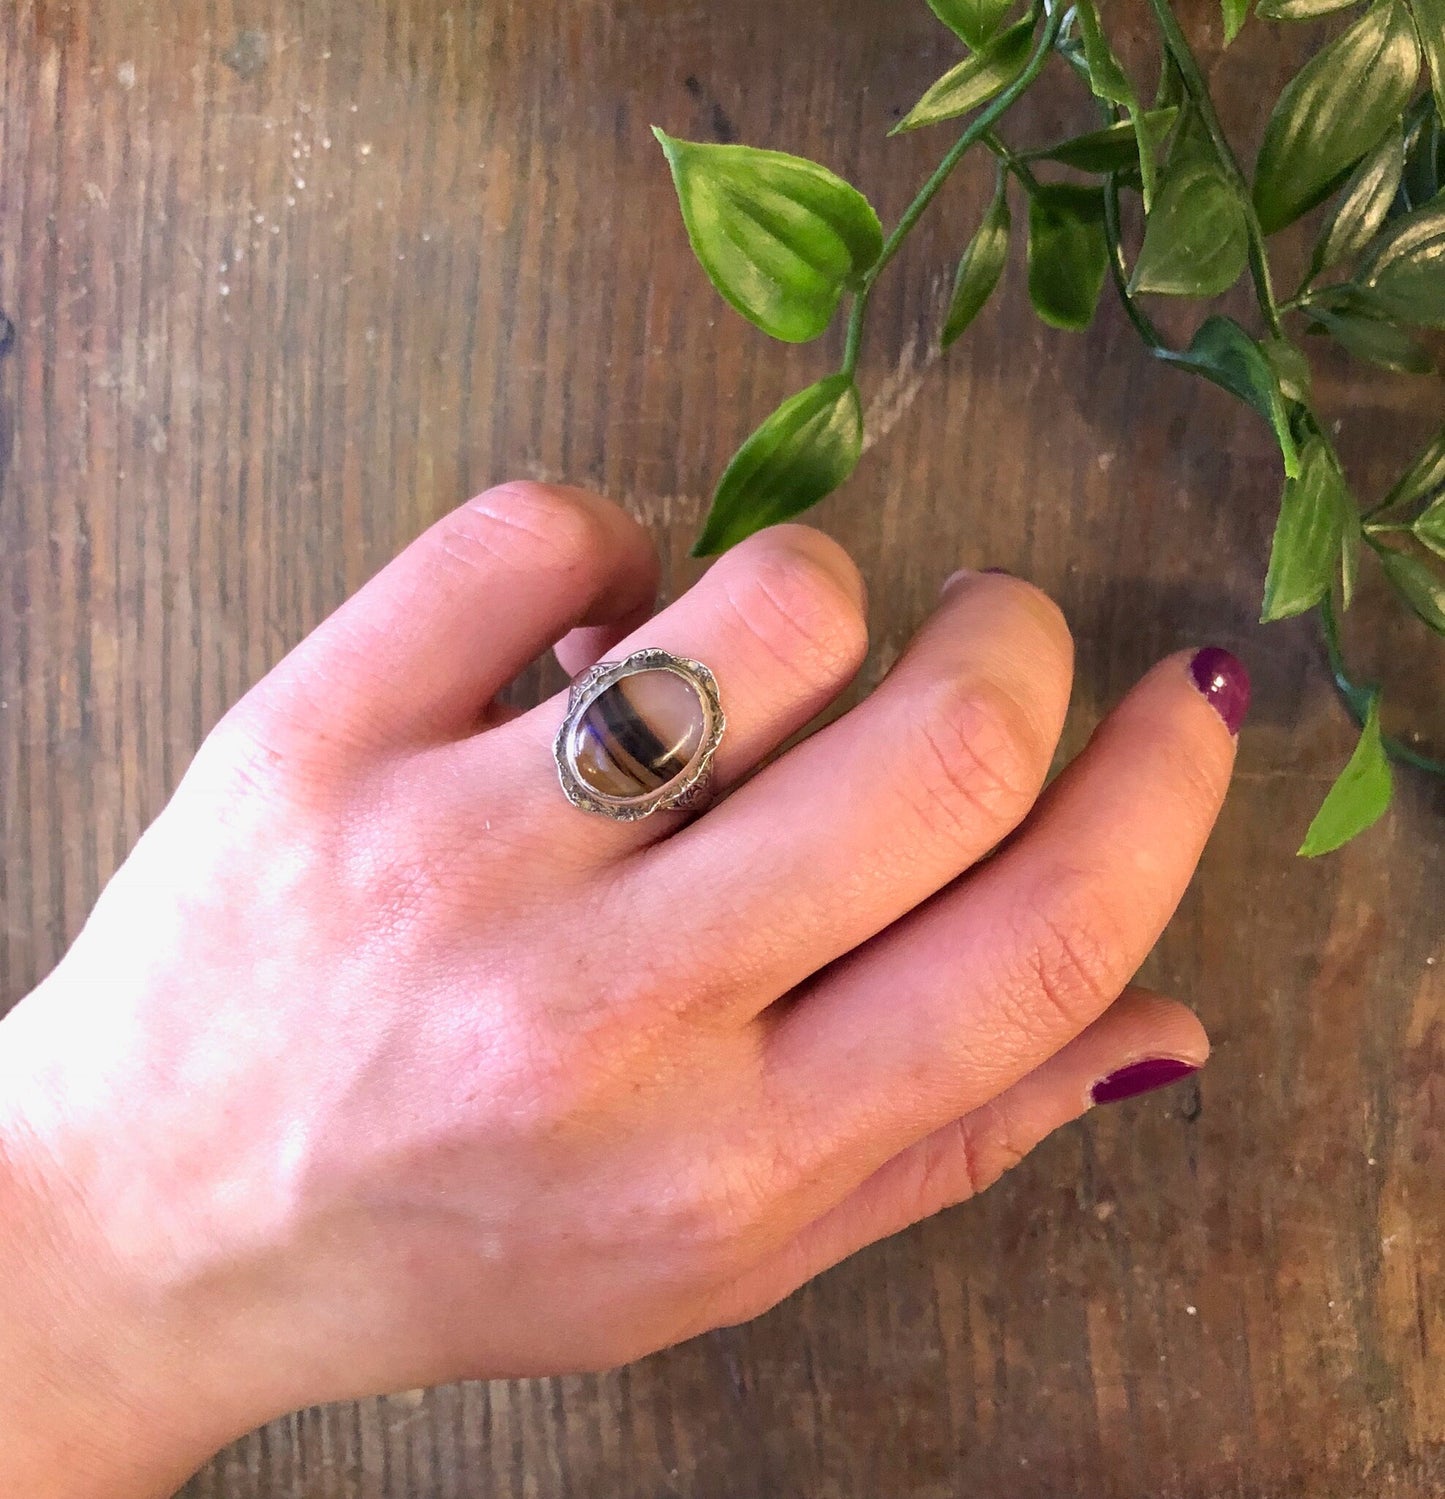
380, 1065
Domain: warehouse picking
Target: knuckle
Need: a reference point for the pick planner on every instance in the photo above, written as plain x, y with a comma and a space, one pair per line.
946, 1171
1071, 959
988, 1149
796, 607
978, 757
527, 527
255, 757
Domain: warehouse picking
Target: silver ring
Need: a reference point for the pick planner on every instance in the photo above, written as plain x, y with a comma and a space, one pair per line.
639, 736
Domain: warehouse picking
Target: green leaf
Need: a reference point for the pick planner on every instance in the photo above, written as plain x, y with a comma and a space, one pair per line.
1235, 14
1307, 536
972, 21
1405, 271
1350, 544
1196, 241
1422, 159
974, 81
1375, 342
1363, 205
1424, 477
1223, 352
980, 267
1334, 111
1359, 798
1068, 254
1299, 10
1416, 582
1108, 78
1111, 83
1290, 367
804, 450
780, 237
1429, 527
1113, 149
1430, 24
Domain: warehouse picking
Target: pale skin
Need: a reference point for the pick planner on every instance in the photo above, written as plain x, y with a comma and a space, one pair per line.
379, 1065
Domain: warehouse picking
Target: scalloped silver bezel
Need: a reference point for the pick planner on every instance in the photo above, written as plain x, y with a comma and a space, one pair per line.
684, 793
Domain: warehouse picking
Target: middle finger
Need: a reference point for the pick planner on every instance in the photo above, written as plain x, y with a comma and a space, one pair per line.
853, 828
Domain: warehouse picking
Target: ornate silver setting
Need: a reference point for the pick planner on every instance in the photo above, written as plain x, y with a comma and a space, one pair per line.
689, 791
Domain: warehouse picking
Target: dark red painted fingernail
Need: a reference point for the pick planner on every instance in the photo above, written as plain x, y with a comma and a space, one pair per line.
1140, 1077
1223, 680
999, 572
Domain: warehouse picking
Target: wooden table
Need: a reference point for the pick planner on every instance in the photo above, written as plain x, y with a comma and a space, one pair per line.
292, 277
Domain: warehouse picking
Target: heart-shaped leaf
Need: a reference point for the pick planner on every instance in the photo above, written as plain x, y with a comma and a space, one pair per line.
1418, 584
1112, 149
1363, 204
1334, 111
1405, 271
974, 81
1223, 352
1196, 240
1359, 798
804, 450
1068, 254
980, 267
780, 237
973, 21
1307, 536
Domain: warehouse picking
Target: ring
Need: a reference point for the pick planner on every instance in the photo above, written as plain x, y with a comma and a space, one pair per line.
639, 736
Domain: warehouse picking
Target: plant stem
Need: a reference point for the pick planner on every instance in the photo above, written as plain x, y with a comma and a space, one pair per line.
1119, 267
1198, 91
1012, 160
1357, 699
980, 125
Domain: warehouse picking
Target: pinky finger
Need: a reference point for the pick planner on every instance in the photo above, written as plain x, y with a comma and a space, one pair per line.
1140, 1043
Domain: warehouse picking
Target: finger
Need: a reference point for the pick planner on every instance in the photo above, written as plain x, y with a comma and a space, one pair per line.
779, 620
972, 992
881, 808
588, 644
1140, 1043
421, 650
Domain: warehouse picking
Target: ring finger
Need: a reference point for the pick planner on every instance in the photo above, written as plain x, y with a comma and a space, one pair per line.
780, 623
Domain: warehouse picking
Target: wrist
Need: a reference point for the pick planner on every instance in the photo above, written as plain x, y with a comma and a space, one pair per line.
85, 1407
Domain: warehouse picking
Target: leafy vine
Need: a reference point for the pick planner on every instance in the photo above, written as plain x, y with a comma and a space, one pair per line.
788, 243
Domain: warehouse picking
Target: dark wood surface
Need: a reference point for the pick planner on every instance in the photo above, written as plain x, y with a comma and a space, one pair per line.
292, 277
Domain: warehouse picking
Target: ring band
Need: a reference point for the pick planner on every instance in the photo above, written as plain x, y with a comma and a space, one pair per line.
639, 736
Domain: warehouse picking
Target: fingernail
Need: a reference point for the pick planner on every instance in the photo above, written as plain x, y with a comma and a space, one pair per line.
1140, 1077
968, 572
1223, 680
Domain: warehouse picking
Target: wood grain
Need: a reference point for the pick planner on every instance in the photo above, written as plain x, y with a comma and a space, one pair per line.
291, 277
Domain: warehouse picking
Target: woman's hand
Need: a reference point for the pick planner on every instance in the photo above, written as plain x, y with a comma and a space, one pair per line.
380, 1065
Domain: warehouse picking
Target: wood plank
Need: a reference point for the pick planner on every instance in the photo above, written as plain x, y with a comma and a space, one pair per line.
291, 278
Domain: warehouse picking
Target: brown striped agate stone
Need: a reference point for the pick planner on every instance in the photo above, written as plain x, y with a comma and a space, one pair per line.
642, 732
